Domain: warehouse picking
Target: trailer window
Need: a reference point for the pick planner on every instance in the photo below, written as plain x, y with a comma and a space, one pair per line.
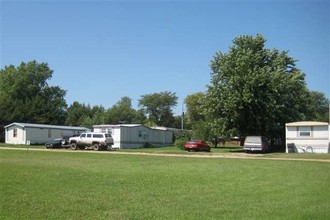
15, 132
305, 132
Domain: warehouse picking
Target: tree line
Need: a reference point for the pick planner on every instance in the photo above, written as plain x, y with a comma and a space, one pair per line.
252, 90
26, 96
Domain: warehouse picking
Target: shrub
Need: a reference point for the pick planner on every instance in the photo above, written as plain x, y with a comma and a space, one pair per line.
180, 144
181, 137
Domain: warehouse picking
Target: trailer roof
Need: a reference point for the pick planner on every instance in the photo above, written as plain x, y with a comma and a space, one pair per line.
30, 125
307, 123
116, 126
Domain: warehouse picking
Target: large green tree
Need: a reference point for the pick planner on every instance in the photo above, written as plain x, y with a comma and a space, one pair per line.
84, 115
158, 107
25, 95
123, 112
255, 90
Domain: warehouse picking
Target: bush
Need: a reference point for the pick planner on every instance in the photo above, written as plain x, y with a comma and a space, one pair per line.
180, 144
181, 137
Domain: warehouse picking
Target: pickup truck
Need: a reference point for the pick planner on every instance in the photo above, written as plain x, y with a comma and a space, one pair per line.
91, 140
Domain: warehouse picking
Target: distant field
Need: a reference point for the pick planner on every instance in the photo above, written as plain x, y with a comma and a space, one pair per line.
61, 185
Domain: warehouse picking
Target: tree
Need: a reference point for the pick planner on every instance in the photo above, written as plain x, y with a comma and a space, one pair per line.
122, 112
85, 115
158, 107
318, 106
197, 118
78, 114
25, 95
194, 112
98, 114
254, 90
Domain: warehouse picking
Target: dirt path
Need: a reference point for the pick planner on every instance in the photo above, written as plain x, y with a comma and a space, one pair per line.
188, 155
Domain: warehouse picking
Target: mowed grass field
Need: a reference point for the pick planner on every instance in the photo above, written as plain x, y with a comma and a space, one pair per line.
74, 185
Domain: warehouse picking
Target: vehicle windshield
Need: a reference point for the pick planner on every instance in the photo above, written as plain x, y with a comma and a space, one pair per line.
107, 135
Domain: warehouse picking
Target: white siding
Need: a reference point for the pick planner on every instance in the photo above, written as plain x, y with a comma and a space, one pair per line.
20, 135
42, 135
321, 132
136, 136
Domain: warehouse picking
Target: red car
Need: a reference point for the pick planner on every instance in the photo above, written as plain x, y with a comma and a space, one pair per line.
197, 146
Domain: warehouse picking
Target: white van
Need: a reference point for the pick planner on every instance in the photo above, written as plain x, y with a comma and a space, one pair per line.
256, 143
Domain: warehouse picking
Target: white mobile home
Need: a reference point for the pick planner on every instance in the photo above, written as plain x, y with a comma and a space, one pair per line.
307, 136
25, 133
136, 135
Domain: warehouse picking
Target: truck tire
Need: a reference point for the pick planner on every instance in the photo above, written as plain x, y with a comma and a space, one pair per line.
74, 146
96, 146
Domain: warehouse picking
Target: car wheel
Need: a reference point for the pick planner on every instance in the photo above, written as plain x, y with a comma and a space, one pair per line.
96, 147
74, 146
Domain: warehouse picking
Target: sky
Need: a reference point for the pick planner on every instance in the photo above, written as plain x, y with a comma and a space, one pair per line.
103, 50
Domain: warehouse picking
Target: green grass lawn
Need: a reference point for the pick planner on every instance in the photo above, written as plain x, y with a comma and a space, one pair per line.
61, 185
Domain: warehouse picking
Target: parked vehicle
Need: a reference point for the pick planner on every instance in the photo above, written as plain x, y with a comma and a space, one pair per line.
198, 145
256, 143
66, 138
56, 143
91, 140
